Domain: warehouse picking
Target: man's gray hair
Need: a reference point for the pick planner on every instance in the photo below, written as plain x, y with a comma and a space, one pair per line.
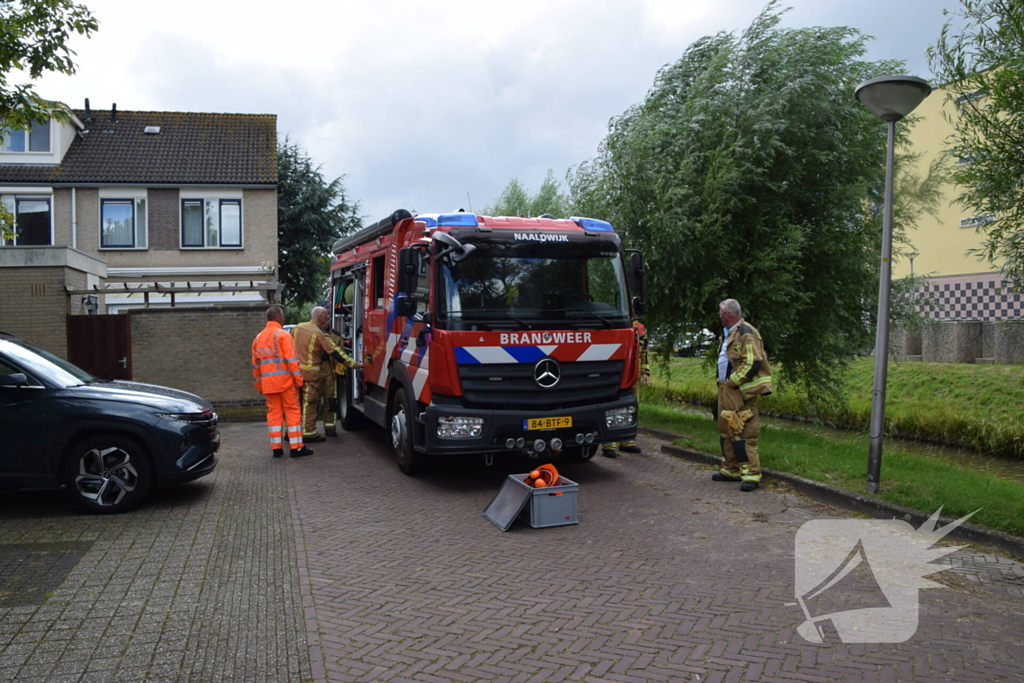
731, 306
317, 312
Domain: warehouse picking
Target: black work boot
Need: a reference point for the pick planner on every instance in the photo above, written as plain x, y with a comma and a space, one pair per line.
718, 476
278, 452
313, 439
301, 452
631, 448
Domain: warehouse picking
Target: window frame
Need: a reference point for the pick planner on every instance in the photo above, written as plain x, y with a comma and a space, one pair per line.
133, 197
13, 198
6, 134
203, 201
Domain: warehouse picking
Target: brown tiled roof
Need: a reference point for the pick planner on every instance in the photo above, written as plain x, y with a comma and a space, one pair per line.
191, 148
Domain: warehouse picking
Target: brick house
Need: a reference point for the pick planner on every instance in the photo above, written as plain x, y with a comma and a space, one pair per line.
130, 211
175, 198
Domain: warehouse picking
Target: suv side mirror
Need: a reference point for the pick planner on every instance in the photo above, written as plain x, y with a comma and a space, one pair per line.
16, 379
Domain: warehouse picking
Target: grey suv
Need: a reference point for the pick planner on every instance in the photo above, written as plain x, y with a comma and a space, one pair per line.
108, 442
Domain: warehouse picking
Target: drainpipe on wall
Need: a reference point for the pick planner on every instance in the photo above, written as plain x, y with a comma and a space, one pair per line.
74, 218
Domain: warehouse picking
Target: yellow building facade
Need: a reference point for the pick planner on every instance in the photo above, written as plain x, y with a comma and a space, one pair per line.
958, 287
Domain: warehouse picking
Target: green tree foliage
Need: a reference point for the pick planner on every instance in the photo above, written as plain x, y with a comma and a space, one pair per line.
980, 55
33, 40
515, 200
311, 214
750, 171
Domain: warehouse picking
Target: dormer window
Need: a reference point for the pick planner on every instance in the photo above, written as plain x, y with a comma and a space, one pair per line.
35, 140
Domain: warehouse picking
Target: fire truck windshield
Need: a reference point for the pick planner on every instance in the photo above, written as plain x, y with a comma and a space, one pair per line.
533, 287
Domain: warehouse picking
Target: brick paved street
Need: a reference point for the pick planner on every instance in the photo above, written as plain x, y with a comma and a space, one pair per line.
390, 578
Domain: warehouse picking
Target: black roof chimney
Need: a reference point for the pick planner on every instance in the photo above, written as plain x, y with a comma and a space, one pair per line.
113, 113
88, 112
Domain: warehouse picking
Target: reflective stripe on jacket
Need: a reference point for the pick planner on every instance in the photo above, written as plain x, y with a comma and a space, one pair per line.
748, 363
275, 367
314, 347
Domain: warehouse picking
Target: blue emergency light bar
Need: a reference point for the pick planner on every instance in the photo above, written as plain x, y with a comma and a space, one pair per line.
592, 224
463, 220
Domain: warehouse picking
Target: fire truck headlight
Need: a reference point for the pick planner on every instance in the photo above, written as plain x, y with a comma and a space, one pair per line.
620, 417
453, 427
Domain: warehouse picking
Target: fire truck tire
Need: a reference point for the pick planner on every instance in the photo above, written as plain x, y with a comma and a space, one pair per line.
350, 418
409, 461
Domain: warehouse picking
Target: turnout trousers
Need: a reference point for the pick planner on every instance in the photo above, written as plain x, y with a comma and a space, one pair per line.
739, 426
316, 387
283, 413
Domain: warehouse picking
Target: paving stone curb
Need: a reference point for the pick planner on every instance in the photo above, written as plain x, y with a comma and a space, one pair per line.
856, 502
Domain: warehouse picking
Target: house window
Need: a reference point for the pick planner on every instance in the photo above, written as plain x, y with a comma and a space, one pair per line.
35, 140
970, 97
211, 223
123, 223
31, 221
977, 221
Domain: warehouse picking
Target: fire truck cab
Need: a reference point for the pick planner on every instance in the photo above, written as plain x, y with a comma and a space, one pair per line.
485, 335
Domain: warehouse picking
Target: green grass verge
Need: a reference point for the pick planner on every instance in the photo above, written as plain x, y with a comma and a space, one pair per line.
977, 406
907, 479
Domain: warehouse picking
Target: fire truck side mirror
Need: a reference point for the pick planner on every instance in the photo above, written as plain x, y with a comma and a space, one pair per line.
405, 306
408, 270
639, 277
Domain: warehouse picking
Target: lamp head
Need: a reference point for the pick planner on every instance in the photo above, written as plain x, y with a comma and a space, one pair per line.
890, 98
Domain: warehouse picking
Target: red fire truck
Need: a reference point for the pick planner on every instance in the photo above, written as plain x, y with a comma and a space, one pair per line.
486, 335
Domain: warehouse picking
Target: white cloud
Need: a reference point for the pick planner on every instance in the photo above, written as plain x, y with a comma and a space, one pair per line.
418, 102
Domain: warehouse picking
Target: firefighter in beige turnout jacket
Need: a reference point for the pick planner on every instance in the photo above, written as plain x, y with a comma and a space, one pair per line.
316, 350
743, 375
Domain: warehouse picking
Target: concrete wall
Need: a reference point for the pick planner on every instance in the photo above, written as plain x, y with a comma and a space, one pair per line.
905, 343
202, 350
1009, 343
958, 342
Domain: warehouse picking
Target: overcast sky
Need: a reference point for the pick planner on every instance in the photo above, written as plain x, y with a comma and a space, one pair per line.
429, 105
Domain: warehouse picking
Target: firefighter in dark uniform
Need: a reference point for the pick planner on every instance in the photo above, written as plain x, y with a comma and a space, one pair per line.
743, 375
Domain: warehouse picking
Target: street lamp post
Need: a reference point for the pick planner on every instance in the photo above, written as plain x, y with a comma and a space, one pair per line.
912, 255
890, 98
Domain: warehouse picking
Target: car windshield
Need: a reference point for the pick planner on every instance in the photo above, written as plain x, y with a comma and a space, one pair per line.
525, 285
45, 365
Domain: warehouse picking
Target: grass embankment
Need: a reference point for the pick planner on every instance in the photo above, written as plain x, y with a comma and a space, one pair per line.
977, 406
983, 405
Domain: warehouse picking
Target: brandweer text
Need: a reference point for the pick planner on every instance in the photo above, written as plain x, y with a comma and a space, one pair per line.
538, 338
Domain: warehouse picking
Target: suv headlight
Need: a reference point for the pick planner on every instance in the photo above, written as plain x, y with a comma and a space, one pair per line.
189, 417
453, 427
620, 417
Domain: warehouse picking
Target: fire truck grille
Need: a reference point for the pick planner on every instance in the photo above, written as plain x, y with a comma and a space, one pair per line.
511, 386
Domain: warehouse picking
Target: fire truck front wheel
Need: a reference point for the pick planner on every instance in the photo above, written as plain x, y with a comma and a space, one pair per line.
409, 461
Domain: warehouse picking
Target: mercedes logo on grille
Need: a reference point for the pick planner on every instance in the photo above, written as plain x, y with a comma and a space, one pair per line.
547, 372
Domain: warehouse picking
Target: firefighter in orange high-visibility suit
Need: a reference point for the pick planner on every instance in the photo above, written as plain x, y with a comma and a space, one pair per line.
275, 368
608, 450
316, 349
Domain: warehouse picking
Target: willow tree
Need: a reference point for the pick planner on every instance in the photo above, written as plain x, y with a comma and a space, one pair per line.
750, 171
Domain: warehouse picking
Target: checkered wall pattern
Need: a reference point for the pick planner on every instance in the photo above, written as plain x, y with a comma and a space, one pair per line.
983, 297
